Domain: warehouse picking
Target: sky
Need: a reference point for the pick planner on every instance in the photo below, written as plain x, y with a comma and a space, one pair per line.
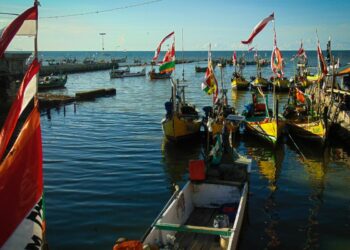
222, 23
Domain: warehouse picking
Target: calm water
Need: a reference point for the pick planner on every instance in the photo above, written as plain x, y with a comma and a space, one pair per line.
108, 171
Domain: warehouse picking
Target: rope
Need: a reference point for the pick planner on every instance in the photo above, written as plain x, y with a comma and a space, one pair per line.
297, 147
93, 12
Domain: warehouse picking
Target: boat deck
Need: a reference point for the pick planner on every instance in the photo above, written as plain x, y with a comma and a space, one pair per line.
199, 217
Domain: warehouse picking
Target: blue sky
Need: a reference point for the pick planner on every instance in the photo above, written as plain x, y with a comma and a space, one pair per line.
223, 23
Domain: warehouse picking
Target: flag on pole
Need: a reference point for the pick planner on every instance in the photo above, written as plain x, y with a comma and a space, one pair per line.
168, 63
156, 54
23, 25
322, 63
277, 62
301, 52
250, 49
259, 27
22, 216
210, 84
234, 58
276, 58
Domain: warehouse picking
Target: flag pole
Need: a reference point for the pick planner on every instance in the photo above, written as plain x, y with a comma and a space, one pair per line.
36, 3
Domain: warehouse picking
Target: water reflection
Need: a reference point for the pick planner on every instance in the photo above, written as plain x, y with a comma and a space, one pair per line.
176, 157
269, 163
315, 164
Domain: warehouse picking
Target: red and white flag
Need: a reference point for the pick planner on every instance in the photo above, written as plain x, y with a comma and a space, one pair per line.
156, 54
301, 52
321, 60
259, 27
22, 216
234, 58
23, 25
250, 49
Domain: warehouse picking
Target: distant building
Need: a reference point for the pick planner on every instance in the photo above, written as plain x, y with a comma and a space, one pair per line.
13, 65
12, 69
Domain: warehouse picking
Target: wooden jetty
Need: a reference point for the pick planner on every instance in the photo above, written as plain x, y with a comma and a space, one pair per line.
53, 100
336, 101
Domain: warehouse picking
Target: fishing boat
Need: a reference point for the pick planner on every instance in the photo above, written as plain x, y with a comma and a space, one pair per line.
182, 119
117, 73
207, 213
261, 82
199, 69
153, 75
301, 120
52, 82
281, 84
238, 81
221, 117
261, 121
167, 65
122, 74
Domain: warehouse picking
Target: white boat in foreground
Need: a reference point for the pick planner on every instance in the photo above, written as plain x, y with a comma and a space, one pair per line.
204, 214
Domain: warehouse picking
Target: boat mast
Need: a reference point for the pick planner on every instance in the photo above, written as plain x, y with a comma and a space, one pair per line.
183, 60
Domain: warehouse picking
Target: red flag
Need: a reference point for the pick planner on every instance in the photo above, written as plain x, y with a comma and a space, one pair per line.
210, 84
321, 60
250, 49
156, 54
259, 27
23, 25
21, 165
300, 95
234, 58
301, 52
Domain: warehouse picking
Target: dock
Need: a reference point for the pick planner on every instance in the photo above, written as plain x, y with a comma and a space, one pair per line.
337, 102
53, 100
68, 68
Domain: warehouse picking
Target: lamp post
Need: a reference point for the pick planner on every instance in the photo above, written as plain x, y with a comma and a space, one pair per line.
102, 34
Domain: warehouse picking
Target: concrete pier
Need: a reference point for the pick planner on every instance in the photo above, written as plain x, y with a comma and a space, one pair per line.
76, 68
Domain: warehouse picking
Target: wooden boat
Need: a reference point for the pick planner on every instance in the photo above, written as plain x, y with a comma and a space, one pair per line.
261, 122
123, 74
261, 82
239, 82
207, 213
200, 69
52, 82
301, 120
118, 73
156, 75
182, 119
281, 84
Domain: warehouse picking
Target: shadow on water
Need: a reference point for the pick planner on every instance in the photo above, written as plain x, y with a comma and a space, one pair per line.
176, 157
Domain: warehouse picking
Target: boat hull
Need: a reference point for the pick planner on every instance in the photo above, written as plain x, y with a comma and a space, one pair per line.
239, 84
261, 82
281, 85
154, 75
178, 128
268, 129
313, 131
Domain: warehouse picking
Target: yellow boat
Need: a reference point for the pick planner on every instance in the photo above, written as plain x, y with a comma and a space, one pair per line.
260, 121
301, 120
281, 84
314, 130
313, 78
182, 119
261, 82
239, 83
268, 129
